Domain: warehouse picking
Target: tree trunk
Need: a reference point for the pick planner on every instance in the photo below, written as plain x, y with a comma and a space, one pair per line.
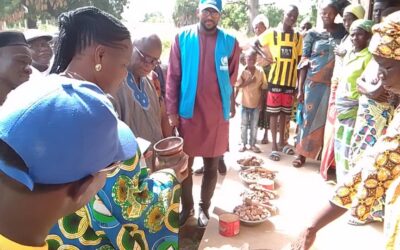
253, 12
31, 22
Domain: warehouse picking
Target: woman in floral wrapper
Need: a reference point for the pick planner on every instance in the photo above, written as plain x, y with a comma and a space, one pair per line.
379, 169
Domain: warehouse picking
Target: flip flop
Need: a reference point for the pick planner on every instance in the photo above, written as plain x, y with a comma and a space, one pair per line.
355, 222
275, 156
331, 182
298, 162
289, 150
255, 149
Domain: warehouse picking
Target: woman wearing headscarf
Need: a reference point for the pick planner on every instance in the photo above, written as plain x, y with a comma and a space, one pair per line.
375, 107
350, 14
354, 63
133, 210
378, 171
375, 112
316, 68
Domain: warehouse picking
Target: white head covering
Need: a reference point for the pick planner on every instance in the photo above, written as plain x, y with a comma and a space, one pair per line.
32, 34
261, 18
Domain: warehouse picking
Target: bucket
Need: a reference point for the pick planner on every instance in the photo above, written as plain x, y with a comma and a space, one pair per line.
229, 225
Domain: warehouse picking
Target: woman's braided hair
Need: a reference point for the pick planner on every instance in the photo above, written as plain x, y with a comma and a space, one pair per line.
81, 27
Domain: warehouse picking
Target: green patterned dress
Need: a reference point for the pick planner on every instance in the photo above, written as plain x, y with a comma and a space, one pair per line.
132, 211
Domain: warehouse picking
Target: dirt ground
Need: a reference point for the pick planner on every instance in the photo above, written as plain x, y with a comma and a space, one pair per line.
300, 189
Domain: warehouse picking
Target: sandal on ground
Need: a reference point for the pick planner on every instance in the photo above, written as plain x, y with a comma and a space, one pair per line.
356, 222
242, 148
275, 156
299, 162
331, 182
289, 150
203, 218
199, 171
255, 149
264, 141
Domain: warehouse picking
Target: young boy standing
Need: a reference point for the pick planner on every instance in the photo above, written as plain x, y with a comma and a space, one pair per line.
286, 48
250, 83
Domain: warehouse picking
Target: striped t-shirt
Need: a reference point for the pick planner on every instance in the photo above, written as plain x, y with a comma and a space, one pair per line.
286, 49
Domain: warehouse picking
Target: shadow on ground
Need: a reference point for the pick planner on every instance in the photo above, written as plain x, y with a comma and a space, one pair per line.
190, 235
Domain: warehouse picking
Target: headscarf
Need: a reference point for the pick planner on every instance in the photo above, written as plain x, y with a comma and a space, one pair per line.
362, 24
355, 9
386, 39
261, 18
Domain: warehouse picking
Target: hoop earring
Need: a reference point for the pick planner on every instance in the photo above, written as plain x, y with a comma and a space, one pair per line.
97, 67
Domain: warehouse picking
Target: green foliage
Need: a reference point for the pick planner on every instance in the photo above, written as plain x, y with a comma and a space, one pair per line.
8, 6
274, 14
311, 16
114, 7
234, 15
166, 47
11, 10
50, 9
154, 17
185, 12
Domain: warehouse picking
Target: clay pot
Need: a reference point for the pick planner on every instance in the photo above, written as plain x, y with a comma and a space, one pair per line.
169, 146
168, 151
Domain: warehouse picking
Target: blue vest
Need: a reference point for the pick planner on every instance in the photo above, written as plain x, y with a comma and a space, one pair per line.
189, 44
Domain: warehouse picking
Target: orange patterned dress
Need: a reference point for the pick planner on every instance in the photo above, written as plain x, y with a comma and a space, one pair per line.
368, 182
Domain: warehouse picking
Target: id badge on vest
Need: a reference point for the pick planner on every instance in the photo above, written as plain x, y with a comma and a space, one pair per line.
224, 63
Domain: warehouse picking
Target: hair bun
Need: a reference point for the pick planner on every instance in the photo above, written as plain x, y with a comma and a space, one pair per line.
342, 4
66, 20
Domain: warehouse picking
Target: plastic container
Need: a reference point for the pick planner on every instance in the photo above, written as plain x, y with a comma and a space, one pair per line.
229, 224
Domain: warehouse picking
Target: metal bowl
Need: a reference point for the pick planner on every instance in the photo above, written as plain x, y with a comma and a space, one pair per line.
253, 223
245, 179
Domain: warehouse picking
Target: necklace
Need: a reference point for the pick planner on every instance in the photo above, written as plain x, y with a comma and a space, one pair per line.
139, 95
74, 75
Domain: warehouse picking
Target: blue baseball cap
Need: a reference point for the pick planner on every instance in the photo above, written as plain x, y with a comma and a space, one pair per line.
214, 4
63, 129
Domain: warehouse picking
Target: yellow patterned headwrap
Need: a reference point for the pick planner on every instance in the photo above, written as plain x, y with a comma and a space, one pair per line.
355, 9
386, 39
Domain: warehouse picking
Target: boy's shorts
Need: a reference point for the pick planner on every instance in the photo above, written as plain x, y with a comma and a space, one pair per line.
279, 102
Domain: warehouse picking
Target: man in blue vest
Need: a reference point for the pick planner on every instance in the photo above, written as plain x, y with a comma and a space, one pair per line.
202, 70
